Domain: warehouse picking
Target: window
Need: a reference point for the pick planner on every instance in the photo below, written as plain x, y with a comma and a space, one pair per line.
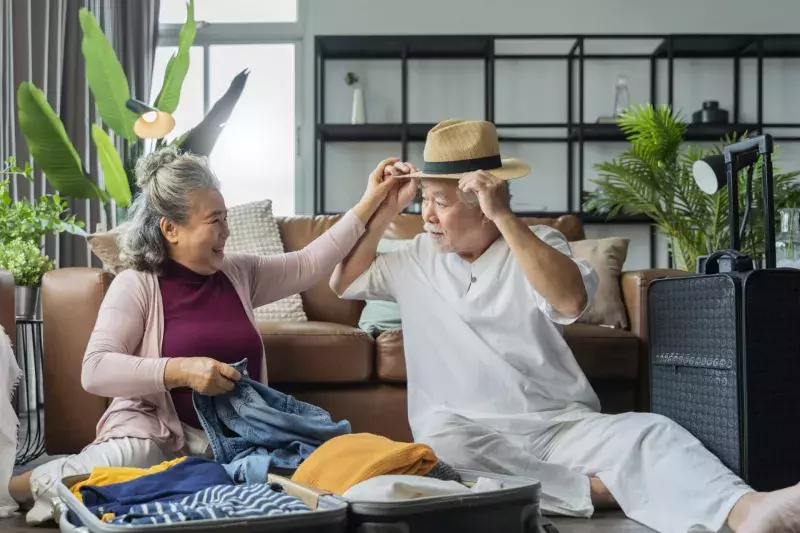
215, 11
255, 155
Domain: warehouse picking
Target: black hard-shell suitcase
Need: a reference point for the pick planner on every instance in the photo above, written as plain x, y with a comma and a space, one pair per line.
725, 365
513, 509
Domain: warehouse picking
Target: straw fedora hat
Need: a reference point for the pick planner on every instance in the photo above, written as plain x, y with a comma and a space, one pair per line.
454, 147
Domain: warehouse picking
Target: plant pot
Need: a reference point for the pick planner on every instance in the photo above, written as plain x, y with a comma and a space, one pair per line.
26, 303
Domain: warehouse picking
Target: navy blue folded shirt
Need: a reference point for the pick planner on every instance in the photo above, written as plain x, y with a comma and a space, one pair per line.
187, 477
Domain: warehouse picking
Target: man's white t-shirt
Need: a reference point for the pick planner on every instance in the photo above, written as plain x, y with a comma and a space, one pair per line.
479, 341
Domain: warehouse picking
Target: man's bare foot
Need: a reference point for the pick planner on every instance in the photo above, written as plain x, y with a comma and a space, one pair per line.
601, 496
771, 512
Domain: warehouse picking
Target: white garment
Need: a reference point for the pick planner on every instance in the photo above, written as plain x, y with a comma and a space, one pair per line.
494, 387
135, 453
484, 327
10, 375
393, 488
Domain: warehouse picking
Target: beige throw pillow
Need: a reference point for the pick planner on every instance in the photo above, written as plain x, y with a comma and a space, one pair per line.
104, 246
607, 257
254, 230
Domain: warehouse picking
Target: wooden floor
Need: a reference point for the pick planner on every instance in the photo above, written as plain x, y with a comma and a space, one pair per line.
601, 523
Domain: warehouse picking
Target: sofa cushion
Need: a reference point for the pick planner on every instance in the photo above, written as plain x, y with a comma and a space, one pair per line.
316, 352
606, 257
379, 315
104, 246
319, 302
254, 230
602, 353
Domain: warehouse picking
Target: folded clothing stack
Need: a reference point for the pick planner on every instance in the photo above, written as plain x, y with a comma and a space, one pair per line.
172, 483
346, 461
182, 490
222, 501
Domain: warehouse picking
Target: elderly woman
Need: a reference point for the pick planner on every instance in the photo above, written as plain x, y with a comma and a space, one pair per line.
175, 320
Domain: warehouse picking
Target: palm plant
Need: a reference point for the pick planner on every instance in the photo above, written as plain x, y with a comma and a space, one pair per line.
654, 178
49, 143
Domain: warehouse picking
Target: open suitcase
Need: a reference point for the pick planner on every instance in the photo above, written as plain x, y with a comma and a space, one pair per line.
513, 509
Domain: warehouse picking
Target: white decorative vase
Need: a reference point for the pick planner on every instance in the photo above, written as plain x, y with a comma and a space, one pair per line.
359, 113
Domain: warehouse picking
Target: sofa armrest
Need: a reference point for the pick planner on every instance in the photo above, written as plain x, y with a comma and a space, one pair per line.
7, 309
634, 285
71, 299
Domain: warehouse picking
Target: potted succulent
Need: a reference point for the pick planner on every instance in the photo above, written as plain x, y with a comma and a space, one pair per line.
23, 224
26, 262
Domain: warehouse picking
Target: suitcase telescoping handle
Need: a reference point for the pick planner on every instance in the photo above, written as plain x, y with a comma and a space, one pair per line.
734, 261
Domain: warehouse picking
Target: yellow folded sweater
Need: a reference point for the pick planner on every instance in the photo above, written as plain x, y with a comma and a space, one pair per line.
348, 460
108, 475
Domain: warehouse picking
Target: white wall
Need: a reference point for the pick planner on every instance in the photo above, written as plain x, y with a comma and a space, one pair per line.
534, 91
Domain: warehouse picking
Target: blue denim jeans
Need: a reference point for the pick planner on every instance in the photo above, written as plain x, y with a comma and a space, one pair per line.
254, 426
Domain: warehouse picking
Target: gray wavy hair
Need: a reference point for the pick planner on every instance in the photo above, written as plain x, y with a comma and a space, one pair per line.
165, 178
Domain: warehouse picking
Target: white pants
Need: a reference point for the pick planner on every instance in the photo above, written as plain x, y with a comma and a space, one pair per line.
660, 475
135, 453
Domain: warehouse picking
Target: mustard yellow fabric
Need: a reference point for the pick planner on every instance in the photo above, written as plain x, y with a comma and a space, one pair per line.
108, 475
348, 460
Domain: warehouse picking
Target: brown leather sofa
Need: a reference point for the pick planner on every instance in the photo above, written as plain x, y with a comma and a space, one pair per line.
327, 361
7, 310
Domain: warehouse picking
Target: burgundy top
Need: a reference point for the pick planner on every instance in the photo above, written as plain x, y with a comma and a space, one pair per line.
204, 317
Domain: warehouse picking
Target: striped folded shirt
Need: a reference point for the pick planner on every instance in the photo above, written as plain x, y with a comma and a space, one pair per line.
213, 503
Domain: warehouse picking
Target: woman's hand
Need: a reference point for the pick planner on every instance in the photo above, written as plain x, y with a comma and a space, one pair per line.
383, 181
403, 191
202, 374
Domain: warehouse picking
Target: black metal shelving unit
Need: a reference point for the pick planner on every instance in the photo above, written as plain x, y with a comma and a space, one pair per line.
670, 47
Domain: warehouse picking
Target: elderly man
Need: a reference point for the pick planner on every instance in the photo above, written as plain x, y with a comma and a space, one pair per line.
492, 384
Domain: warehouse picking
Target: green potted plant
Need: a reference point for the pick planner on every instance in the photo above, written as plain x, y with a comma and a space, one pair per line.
654, 178
52, 150
23, 224
26, 262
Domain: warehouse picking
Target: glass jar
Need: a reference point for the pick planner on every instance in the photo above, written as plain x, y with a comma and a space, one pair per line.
787, 242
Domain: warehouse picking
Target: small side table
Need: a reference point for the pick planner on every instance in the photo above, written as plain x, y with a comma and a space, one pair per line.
30, 391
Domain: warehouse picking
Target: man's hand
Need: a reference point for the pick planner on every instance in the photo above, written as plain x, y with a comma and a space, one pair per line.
491, 191
202, 374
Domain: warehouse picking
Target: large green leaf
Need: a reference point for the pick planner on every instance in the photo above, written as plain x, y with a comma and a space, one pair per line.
178, 65
49, 145
201, 139
114, 175
107, 80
